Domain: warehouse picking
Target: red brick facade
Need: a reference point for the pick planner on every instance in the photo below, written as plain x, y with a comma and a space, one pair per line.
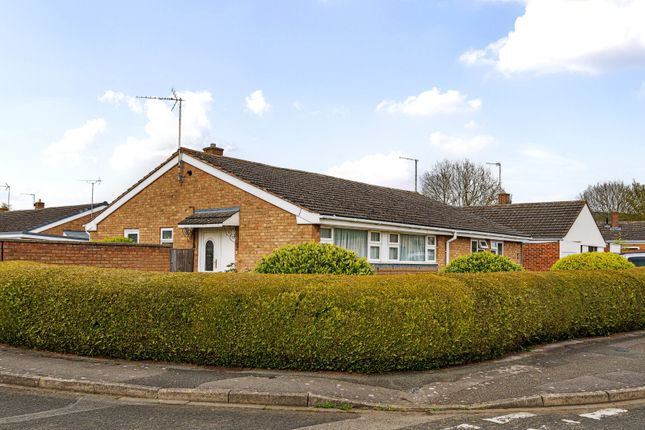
541, 256
74, 225
115, 255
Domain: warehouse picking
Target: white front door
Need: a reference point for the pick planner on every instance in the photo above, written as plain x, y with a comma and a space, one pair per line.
216, 249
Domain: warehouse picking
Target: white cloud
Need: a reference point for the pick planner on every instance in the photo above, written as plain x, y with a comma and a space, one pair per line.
379, 169
470, 124
429, 103
461, 146
161, 130
569, 36
256, 103
117, 97
297, 105
541, 155
74, 142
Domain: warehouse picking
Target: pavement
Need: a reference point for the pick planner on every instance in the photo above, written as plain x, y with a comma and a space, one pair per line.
576, 372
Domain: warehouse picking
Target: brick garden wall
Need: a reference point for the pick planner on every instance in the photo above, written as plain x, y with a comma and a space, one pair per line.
541, 256
115, 255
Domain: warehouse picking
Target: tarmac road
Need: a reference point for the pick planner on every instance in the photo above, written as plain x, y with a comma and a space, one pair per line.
22, 408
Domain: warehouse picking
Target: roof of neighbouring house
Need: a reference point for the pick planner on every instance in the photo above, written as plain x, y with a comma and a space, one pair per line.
328, 195
545, 220
31, 219
209, 216
626, 231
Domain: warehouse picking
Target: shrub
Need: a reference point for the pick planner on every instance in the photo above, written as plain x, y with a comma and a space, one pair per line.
313, 322
482, 262
116, 239
314, 258
592, 261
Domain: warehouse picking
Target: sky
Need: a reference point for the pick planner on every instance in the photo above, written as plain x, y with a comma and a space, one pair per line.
552, 89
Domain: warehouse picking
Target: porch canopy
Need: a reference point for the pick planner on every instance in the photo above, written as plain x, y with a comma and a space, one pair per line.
209, 218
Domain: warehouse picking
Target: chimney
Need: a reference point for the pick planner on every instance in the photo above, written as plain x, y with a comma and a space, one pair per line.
213, 149
39, 205
614, 219
504, 198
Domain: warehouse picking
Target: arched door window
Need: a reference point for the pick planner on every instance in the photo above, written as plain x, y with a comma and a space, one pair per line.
210, 249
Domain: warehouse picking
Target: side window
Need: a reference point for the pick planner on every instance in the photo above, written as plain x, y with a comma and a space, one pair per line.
166, 235
132, 234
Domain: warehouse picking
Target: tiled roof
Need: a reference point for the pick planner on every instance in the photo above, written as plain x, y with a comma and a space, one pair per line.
546, 220
27, 220
628, 230
328, 195
209, 216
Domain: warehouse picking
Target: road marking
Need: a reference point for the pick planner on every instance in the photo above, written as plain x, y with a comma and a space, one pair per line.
570, 421
503, 419
81, 405
374, 421
462, 426
598, 415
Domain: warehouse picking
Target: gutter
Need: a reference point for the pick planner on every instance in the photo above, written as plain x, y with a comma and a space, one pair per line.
454, 237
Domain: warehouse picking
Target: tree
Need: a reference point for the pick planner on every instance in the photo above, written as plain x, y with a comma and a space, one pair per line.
637, 198
607, 197
460, 183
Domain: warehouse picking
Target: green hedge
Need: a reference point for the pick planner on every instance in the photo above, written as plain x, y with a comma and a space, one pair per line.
592, 261
479, 262
310, 258
370, 323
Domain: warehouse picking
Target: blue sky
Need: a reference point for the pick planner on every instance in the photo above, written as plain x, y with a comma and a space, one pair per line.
554, 90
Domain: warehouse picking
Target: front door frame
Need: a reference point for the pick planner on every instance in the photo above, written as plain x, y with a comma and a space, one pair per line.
224, 239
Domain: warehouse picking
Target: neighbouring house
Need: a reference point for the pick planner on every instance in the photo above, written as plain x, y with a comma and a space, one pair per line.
230, 212
55, 223
557, 229
623, 237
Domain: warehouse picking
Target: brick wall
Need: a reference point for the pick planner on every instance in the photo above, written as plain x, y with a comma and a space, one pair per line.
461, 247
165, 202
541, 256
115, 255
77, 225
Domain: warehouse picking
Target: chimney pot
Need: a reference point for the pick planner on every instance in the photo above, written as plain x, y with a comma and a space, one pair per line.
39, 204
213, 149
504, 198
614, 219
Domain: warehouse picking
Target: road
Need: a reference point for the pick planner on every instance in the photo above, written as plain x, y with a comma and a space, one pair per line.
37, 409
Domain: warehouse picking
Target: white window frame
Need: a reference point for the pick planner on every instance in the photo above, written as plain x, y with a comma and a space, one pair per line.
329, 239
431, 248
480, 247
371, 243
494, 247
396, 245
172, 235
128, 231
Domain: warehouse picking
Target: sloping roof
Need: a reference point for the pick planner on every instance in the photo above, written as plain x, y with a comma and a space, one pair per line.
209, 216
27, 220
627, 231
545, 220
328, 195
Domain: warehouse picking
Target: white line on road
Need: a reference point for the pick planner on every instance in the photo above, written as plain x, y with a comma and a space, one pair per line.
503, 419
81, 405
570, 421
598, 415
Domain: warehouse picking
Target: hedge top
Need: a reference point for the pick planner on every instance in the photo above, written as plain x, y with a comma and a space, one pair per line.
592, 261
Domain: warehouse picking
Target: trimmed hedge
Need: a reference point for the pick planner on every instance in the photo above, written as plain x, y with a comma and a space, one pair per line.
314, 258
593, 261
116, 239
367, 323
479, 262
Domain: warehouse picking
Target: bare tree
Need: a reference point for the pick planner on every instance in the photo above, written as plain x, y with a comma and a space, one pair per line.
607, 197
637, 198
460, 183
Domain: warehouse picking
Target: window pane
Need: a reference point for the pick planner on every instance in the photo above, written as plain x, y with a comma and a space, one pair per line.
166, 234
375, 236
210, 254
394, 238
375, 252
394, 253
412, 248
500, 248
431, 255
353, 240
431, 241
325, 233
133, 237
473, 246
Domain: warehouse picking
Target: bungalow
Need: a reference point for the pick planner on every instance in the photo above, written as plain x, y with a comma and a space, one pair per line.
232, 212
55, 223
557, 229
623, 237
